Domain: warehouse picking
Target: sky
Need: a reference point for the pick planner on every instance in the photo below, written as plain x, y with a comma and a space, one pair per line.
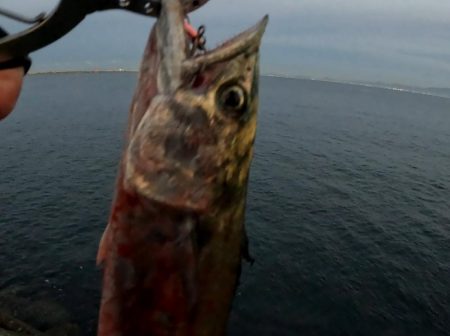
388, 41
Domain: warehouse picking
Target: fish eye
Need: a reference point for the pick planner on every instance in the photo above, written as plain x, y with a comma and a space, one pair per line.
232, 99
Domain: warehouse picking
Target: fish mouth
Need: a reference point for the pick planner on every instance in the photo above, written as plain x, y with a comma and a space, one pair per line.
176, 62
247, 41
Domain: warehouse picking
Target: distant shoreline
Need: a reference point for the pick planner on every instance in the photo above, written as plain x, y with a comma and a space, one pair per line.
437, 92
63, 72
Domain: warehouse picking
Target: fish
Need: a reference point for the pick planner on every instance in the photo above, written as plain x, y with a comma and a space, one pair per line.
172, 251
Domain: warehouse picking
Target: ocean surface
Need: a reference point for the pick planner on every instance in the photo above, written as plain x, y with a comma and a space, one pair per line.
348, 210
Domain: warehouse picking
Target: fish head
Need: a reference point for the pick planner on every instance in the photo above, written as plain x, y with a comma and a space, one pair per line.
194, 144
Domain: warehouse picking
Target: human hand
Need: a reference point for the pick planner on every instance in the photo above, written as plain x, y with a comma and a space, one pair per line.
10, 86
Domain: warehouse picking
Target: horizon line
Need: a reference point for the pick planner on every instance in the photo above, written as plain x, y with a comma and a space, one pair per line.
388, 86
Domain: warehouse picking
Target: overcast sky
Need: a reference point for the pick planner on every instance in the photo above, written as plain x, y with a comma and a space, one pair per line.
392, 41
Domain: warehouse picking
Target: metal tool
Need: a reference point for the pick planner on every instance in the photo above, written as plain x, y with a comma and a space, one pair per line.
47, 28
